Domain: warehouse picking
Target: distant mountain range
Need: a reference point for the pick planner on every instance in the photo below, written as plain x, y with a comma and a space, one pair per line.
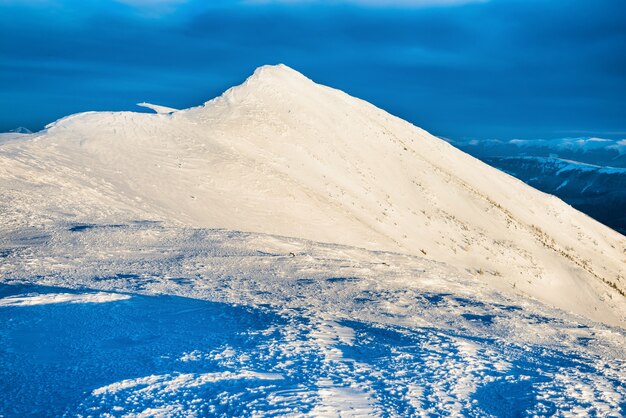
596, 151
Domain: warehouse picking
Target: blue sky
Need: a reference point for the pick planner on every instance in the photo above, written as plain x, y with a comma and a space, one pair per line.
460, 69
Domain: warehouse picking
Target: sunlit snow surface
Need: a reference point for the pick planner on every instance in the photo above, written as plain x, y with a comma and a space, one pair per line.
145, 319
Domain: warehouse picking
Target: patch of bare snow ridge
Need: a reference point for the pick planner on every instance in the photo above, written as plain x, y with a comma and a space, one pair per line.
52, 298
158, 108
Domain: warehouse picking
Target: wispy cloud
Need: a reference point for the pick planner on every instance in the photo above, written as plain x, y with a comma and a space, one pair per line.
154, 8
374, 3
151, 2
583, 132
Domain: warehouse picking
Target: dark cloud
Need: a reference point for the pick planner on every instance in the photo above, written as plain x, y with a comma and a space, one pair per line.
505, 68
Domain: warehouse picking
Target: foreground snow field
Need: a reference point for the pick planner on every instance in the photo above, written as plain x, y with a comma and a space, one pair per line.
382, 271
146, 319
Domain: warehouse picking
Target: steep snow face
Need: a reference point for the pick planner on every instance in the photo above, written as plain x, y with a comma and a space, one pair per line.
281, 154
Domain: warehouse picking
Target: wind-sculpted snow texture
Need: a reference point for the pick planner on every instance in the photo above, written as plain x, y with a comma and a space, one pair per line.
382, 272
222, 323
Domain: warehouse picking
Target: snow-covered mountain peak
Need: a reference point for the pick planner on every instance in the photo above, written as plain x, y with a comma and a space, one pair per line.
280, 154
272, 82
276, 74
287, 249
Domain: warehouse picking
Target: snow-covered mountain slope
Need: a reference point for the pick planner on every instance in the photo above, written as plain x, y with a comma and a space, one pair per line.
280, 154
589, 150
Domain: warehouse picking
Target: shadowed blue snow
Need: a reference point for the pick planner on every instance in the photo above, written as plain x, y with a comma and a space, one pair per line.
461, 69
184, 356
